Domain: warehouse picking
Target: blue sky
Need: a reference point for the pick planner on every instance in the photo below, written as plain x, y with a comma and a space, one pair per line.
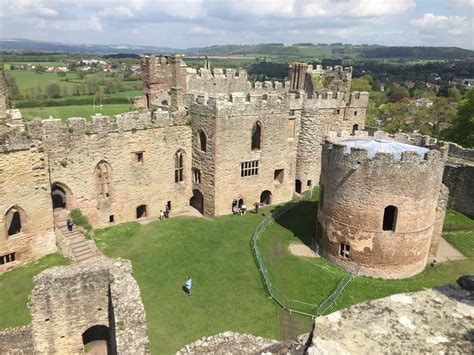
197, 23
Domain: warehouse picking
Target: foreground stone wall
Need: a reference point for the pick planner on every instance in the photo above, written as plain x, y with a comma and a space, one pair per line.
69, 300
17, 341
25, 188
427, 322
356, 189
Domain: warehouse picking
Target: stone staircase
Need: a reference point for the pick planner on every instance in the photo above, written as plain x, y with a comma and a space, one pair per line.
73, 244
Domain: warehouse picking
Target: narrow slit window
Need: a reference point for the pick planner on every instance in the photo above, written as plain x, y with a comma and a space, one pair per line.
256, 136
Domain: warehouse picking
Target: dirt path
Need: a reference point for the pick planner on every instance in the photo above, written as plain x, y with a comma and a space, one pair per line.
299, 249
446, 252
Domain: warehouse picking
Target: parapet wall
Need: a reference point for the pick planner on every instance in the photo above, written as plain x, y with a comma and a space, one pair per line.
69, 300
56, 129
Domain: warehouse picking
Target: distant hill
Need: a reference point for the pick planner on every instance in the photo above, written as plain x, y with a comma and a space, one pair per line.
299, 50
25, 44
340, 51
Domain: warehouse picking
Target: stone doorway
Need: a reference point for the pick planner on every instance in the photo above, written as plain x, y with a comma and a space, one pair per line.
60, 196
197, 201
298, 185
96, 340
266, 197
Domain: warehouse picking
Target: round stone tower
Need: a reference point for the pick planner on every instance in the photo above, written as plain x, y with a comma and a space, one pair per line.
377, 207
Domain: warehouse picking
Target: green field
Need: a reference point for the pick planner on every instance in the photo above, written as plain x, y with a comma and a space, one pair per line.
16, 286
74, 111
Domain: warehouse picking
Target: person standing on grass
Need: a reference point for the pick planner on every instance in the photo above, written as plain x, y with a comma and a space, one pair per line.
257, 206
188, 284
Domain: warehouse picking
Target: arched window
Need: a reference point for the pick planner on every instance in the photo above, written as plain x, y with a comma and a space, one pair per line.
103, 173
256, 135
390, 218
14, 221
202, 140
179, 166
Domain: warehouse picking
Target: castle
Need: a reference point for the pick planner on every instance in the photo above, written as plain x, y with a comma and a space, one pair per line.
209, 139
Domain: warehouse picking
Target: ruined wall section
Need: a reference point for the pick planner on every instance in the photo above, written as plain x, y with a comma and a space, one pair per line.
76, 149
68, 300
235, 117
17, 341
159, 75
320, 80
24, 187
320, 115
356, 191
5, 102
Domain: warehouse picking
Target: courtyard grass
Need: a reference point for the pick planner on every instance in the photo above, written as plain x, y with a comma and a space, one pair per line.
228, 293
16, 286
64, 112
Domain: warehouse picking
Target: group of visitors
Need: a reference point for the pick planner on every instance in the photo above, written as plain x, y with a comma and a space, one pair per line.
239, 208
166, 212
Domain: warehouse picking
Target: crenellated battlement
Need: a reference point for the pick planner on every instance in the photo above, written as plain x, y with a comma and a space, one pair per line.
359, 99
241, 101
220, 73
357, 156
32, 133
319, 69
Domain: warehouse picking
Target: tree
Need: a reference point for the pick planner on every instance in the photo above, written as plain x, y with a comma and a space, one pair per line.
12, 86
91, 85
361, 84
53, 90
462, 130
454, 94
433, 120
397, 96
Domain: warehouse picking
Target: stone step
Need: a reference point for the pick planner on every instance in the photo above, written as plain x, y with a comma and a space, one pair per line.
80, 246
84, 257
82, 253
81, 250
75, 239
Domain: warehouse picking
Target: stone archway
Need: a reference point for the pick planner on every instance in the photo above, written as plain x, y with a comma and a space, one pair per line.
266, 197
96, 340
197, 201
61, 196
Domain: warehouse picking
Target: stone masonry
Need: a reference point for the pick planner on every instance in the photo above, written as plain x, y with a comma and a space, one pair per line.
68, 304
354, 194
202, 138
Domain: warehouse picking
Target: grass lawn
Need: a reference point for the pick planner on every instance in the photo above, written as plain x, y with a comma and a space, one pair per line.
74, 111
228, 293
285, 268
16, 286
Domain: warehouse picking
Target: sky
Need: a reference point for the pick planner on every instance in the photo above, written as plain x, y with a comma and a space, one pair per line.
199, 23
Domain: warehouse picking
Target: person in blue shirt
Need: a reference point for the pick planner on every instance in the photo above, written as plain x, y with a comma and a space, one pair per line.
187, 285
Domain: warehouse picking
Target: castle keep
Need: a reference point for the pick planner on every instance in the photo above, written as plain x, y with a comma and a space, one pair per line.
204, 139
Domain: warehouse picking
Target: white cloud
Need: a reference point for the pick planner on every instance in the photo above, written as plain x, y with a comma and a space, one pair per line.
95, 24
439, 24
119, 11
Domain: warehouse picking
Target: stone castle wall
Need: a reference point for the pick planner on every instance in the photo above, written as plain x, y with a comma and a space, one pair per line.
24, 187
320, 115
76, 149
230, 120
69, 301
356, 189
5, 103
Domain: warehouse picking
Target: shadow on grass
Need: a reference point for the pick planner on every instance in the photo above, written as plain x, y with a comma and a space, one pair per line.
301, 221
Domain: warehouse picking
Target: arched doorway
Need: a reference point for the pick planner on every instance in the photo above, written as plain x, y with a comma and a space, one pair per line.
266, 197
60, 195
96, 340
355, 128
197, 201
